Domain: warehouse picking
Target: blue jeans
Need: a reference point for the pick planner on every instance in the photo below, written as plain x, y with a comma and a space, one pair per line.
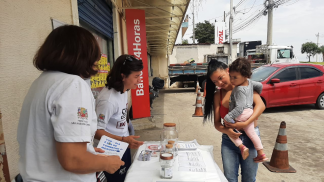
232, 158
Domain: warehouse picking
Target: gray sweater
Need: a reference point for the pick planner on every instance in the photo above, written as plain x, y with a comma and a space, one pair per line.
242, 98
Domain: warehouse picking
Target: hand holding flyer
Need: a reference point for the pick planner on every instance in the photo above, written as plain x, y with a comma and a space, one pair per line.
112, 146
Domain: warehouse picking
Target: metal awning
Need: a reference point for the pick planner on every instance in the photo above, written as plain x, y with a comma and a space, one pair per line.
163, 22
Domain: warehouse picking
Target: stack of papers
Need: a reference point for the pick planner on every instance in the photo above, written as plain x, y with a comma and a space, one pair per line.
191, 162
187, 146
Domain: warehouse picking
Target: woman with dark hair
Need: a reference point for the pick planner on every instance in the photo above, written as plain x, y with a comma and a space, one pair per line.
58, 121
217, 104
111, 108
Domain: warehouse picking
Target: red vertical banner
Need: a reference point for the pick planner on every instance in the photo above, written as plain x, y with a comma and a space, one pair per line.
136, 42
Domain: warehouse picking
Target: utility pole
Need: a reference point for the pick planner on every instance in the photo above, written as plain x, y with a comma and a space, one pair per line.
270, 20
230, 33
193, 22
317, 35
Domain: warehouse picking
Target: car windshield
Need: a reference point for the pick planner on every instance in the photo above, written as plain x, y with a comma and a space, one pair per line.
262, 73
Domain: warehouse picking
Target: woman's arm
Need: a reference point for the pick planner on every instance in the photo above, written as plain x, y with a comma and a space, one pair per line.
217, 119
258, 109
105, 110
75, 158
133, 144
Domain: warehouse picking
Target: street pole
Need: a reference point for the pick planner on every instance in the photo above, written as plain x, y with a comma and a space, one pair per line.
230, 33
193, 22
317, 35
270, 20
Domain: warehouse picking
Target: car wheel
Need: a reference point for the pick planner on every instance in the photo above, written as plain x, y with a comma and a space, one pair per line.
320, 101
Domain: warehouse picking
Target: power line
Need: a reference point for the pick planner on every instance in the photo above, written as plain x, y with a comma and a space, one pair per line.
238, 4
248, 22
250, 8
292, 3
252, 14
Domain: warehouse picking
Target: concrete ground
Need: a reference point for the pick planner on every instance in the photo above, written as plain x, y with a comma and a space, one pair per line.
304, 126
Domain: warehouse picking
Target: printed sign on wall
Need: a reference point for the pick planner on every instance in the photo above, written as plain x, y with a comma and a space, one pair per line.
219, 32
136, 38
100, 79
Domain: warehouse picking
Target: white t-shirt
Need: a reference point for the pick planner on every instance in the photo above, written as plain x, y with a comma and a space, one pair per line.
58, 107
111, 109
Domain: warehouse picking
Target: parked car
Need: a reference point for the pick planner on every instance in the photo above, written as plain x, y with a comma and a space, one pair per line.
291, 84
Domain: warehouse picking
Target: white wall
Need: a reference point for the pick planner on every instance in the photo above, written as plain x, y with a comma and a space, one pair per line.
160, 66
205, 49
182, 53
24, 27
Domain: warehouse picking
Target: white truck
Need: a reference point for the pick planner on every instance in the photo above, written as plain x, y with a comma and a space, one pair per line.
276, 54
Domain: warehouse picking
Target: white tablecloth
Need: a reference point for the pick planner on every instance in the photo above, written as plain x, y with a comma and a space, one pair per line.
149, 171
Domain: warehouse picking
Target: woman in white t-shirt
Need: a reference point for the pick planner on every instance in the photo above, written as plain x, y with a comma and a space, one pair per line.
111, 108
58, 121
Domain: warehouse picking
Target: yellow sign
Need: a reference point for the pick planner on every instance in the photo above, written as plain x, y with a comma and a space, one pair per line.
100, 79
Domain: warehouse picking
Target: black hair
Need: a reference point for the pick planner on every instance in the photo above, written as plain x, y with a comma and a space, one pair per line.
69, 49
242, 66
125, 64
213, 66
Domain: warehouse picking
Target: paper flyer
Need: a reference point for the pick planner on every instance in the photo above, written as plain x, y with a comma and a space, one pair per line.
154, 148
112, 146
187, 146
193, 169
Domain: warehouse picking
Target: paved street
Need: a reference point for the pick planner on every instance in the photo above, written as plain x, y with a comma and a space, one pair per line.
304, 125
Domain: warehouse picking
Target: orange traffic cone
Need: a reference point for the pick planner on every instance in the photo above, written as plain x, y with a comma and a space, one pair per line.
279, 162
197, 87
198, 95
198, 110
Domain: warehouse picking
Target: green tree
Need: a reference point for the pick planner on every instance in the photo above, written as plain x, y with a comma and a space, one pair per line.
185, 41
205, 32
321, 49
310, 48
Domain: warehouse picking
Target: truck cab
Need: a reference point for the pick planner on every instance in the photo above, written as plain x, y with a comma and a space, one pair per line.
282, 54
277, 54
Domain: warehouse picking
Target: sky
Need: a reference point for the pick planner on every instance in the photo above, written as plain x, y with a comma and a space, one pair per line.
294, 23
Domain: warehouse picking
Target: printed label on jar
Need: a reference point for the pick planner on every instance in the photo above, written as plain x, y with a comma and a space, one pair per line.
166, 172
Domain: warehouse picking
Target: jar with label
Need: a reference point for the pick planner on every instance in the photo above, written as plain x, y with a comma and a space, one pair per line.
166, 162
169, 133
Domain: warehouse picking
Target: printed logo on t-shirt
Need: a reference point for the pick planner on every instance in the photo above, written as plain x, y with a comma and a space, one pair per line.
82, 113
121, 124
124, 113
101, 118
82, 117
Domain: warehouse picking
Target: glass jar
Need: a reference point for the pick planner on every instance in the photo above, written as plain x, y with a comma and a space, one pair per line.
169, 149
166, 162
169, 133
171, 142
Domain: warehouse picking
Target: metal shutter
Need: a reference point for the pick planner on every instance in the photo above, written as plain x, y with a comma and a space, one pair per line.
98, 15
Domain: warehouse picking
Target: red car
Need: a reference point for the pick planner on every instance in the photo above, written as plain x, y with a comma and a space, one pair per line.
291, 84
